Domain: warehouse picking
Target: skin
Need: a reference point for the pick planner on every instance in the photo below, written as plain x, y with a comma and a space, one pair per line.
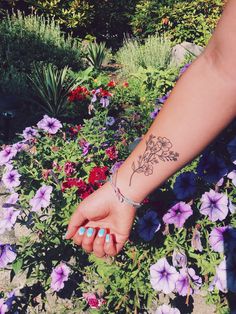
200, 106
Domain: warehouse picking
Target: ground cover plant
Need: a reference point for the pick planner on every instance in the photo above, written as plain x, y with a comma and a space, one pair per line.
183, 238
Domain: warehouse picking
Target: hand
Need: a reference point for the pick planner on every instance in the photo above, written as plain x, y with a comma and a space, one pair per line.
102, 209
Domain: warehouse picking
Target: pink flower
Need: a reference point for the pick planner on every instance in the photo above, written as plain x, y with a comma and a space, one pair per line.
3, 307
7, 154
69, 168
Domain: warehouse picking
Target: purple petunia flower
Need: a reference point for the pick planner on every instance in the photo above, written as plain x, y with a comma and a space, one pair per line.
7, 154
221, 238
163, 98
41, 198
19, 146
196, 241
50, 125
166, 309
104, 101
154, 113
163, 276
7, 255
214, 205
3, 307
110, 121
187, 281
232, 175
12, 199
211, 168
59, 275
179, 258
185, 185
178, 214
11, 178
85, 148
9, 219
29, 133
148, 225
116, 166
10, 299
184, 68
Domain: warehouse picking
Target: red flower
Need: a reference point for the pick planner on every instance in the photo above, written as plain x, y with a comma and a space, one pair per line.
125, 84
98, 174
111, 84
74, 130
112, 153
104, 93
71, 182
80, 93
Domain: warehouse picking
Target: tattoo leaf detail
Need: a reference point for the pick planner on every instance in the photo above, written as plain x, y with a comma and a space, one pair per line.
157, 148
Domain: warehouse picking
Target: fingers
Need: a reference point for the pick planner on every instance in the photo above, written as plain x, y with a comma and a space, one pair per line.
77, 219
95, 240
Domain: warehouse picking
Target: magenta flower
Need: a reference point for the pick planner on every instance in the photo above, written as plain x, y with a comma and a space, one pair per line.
69, 168
59, 275
3, 307
7, 154
92, 300
188, 279
214, 205
11, 178
41, 198
50, 125
9, 219
163, 276
166, 309
29, 133
179, 259
178, 214
7, 255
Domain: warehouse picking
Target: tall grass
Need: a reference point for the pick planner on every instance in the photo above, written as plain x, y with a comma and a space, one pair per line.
155, 52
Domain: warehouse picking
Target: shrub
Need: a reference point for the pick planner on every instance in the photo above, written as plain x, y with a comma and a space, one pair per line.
191, 21
28, 39
154, 52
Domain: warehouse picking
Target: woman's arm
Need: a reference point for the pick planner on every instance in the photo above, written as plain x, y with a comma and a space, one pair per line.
200, 106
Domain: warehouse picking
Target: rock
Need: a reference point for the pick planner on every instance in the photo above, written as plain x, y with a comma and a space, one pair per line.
179, 51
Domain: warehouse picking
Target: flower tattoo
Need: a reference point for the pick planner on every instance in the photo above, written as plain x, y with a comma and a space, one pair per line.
157, 148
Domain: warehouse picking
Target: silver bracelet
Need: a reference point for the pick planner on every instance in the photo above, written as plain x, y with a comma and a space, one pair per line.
121, 196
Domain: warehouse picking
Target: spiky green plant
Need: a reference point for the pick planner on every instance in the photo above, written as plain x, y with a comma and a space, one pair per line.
96, 54
51, 87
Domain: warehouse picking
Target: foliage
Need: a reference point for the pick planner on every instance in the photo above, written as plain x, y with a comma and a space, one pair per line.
51, 88
191, 21
95, 54
28, 39
154, 52
122, 281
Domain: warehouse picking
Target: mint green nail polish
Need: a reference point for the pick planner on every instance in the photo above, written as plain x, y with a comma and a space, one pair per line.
89, 232
107, 237
101, 232
81, 230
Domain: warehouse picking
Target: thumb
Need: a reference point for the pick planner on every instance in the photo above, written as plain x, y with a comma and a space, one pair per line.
77, 219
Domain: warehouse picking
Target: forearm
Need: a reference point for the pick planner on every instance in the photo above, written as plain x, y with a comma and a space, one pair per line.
200, 106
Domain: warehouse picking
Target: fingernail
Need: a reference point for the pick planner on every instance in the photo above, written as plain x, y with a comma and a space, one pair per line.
89, 232
65, 235
81, 231
101, 232
107, 237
